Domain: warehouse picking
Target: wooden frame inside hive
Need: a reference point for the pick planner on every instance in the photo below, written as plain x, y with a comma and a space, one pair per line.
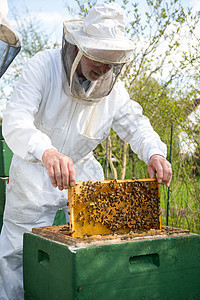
114, 206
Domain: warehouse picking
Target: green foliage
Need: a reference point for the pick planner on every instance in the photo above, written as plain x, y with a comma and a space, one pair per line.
184, 204
34, 39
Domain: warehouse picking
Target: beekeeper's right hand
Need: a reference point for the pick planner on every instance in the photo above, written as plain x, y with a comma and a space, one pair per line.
60, 168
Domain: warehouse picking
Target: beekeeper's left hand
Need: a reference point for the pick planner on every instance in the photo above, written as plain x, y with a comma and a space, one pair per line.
160, 168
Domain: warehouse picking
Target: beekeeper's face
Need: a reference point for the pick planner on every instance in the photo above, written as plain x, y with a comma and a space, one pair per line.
92, 70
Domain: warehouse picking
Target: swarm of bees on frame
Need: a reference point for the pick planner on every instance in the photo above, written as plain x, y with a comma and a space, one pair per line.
118, 206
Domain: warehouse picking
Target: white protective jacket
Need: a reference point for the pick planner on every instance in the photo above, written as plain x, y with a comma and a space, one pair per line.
40, 115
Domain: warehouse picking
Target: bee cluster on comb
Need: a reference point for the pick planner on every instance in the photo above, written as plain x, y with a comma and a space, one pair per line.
114, 206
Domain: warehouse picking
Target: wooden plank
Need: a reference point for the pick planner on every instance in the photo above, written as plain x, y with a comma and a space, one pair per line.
61, 233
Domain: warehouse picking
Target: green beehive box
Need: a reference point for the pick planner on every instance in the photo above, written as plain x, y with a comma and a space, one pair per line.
149, 267
1, 221
3, 182
1, 135
5, 158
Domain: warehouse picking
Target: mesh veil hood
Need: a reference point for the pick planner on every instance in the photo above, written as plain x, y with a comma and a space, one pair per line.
100, 37
10, 44
97, 89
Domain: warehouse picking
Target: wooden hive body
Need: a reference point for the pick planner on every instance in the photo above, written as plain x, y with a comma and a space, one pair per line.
159, 264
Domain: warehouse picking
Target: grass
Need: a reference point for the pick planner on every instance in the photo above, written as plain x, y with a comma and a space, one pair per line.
184, 209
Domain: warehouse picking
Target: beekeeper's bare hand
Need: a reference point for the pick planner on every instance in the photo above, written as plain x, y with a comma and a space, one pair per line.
60, 169
160, 166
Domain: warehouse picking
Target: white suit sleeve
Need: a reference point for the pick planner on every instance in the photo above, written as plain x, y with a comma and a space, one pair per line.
18, 120
134, 128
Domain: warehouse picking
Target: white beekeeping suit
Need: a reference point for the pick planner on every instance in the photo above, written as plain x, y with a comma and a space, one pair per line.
52, 108
10, 44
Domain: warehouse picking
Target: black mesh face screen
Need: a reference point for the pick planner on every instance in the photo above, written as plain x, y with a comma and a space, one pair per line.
9, 48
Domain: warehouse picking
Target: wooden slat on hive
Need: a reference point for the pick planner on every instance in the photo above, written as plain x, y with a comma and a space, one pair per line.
61, 233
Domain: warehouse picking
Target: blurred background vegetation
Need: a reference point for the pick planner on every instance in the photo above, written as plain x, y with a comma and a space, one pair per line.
163, 77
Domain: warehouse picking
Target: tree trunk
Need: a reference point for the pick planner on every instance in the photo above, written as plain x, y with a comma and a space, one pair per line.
113, 169
124, 155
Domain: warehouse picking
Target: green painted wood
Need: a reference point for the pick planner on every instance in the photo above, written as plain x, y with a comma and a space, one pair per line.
1, 135
5, 158
27, 296
60, 218
1, 221
166, 268
50, 268
3, 182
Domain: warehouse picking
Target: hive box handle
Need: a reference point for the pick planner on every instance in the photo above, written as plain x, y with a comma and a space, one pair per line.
43, 258
144, 263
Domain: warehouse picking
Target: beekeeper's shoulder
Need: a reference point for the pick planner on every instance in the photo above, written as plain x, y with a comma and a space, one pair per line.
49, 58
120, 90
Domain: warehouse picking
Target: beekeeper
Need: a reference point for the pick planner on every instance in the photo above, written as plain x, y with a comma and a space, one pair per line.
10, 44
64, 105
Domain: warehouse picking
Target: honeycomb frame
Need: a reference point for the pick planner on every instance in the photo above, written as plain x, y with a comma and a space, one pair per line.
113, 207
